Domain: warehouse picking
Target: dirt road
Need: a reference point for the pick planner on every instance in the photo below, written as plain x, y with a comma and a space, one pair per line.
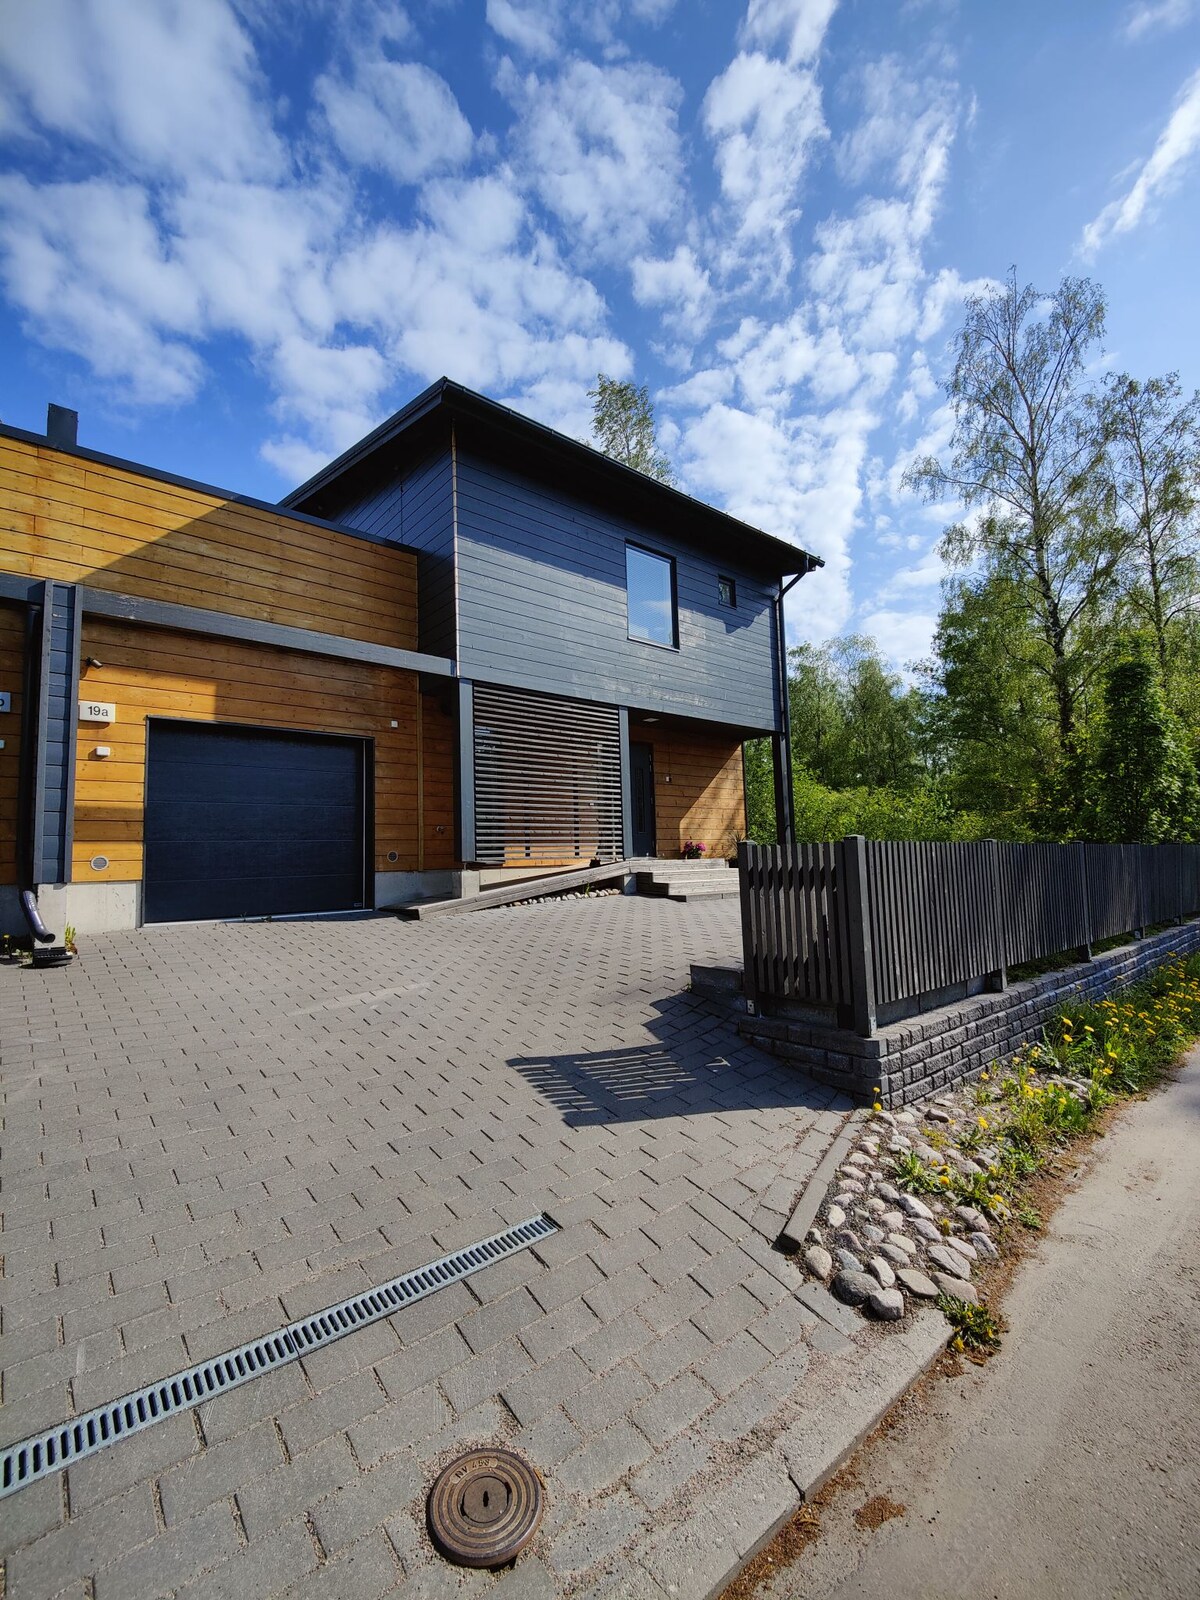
1069, 1466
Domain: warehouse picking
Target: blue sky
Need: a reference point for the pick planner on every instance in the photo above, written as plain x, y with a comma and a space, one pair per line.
235, 234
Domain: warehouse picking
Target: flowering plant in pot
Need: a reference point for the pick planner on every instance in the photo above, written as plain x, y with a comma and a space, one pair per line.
692, 850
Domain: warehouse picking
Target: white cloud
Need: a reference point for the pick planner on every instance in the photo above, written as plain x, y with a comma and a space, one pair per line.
396, 116
679, 286
798, 25
765, 120
904, 636
1158, 14
160, 87
531, 25
540, 27
1162, 172
600, 147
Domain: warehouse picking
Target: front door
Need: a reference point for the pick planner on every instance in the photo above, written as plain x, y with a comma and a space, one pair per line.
641, 794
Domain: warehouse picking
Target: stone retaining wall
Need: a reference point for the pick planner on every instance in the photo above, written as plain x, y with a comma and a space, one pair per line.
920, 1056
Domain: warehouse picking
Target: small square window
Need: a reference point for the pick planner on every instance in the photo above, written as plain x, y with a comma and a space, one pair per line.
727, 592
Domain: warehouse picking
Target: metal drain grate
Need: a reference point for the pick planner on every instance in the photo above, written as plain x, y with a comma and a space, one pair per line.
44, 1453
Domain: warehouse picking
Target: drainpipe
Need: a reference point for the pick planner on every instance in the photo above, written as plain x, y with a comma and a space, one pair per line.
783, 794
30, 696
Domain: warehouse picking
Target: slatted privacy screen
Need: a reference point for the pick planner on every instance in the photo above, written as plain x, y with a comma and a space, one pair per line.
796, 944
864, 924
932, 915
547, 779
1043, 899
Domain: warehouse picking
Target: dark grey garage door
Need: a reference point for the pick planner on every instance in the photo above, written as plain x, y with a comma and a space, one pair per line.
244, 822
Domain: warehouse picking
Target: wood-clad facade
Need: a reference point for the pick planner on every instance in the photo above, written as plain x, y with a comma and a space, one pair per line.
421, 672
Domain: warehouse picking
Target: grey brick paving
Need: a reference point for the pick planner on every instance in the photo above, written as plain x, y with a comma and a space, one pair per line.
210, 1130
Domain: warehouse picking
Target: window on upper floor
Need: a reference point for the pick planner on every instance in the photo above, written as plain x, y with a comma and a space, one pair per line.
650, 592
727, 592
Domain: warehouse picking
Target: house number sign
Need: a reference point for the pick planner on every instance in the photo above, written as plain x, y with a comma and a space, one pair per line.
97, 711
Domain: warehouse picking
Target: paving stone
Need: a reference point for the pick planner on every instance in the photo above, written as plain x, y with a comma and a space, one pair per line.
673, 1408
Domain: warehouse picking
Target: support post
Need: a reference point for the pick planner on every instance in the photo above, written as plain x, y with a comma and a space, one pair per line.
466, 772
626, 788
785, 824
854, 875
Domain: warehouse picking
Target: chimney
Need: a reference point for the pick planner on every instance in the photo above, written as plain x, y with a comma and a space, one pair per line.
62, 427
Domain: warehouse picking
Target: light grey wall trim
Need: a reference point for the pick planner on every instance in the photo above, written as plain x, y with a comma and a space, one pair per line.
43, 629
194, 619
466, 772
54, 758
626, 798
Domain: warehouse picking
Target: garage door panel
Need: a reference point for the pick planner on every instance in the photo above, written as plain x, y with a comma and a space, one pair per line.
251, 822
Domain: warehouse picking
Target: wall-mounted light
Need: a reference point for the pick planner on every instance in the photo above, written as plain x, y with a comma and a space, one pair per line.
92, 661
102, 752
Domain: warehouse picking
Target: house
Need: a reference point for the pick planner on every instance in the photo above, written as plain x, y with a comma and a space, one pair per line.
470, 649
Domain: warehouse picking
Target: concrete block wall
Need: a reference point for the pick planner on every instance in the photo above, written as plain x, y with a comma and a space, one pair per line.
923, 1055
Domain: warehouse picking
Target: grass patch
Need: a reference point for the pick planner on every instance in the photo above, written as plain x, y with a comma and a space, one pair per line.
975, 1327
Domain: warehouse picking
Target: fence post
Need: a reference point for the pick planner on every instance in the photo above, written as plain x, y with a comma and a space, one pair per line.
749, 965
1084, 951
858, 929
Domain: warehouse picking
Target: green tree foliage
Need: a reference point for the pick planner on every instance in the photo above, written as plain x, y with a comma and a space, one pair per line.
853, 721
623, 426
1153, 471
760, 791
1027, 450
1143, 777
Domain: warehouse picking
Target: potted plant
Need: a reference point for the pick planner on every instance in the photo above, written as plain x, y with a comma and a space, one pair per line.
693, 850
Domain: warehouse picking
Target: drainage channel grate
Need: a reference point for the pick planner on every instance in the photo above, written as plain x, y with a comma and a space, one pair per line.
44, 1453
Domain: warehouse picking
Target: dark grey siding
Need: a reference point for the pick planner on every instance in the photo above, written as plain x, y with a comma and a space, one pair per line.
542, 607
416, 510
58, 695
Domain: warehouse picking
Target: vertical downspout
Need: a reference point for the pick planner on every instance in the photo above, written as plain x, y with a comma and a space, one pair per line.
786, 816
31, 677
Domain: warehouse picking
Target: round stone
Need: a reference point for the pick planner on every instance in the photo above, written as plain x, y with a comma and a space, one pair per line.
853, 1287
917, 1283
956, 1288
886, 1118
913, 1207
924, 1228
876, 1206
892, 1220
848, 1240
906, 1118
872, 1234
975, 1220
818, 1261
888, 1191
852, 1186
847, 1261
937, 1114
963, 1248
858, 1159
902, 1243
892, 1253
926, 1152
886, 1304
835, 1216
984, 1247
949, 1260
881, 1269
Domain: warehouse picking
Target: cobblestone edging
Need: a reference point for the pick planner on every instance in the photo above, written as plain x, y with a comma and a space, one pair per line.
911, 1060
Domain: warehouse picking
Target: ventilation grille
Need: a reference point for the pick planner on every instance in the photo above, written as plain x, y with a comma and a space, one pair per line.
547, 779
58, 1447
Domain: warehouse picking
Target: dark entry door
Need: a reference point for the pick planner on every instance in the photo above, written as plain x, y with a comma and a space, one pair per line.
641, 795
249, 822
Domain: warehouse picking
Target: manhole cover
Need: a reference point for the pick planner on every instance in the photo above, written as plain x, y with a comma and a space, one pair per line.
484, 1508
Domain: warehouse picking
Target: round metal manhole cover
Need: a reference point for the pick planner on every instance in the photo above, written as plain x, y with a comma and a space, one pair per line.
484, 1508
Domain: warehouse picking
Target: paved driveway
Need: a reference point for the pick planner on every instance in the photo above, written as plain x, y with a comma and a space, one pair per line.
210, 1131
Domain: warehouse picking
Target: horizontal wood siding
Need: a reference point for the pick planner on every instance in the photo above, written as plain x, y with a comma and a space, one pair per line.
80, 521
699, 793
416, 510
542, 606
12, 658
149, 672
439, 742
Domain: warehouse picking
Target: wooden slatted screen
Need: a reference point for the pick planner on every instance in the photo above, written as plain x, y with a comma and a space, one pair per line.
797, 942
547, 780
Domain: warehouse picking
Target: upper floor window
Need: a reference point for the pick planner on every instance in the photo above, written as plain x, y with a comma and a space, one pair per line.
727, 592
650, 588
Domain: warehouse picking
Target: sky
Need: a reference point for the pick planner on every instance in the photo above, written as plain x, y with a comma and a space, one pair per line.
237, 234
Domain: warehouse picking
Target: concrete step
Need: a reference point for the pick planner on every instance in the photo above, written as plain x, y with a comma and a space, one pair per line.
677, 889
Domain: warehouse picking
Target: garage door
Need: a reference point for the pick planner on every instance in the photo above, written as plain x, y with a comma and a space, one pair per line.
243, 822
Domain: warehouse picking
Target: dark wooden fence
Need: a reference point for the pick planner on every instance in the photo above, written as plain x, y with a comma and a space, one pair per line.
865, 926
